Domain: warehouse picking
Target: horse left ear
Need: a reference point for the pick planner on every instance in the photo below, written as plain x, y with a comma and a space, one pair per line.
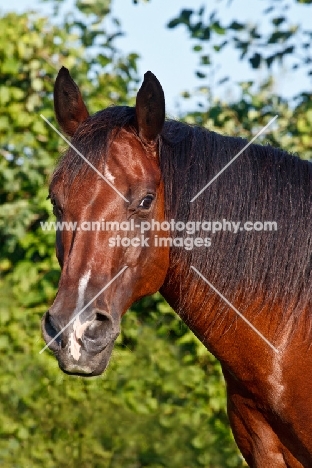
70, 110
150, 108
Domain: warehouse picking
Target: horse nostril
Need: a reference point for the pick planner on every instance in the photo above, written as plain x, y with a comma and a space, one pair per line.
50, 332
50, 328
99, 333
102, 317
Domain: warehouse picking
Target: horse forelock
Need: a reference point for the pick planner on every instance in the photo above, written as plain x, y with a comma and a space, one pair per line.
91, 140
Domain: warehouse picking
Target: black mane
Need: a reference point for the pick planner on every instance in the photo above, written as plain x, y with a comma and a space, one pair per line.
263, 184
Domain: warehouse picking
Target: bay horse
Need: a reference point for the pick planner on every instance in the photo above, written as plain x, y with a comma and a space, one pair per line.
245, 295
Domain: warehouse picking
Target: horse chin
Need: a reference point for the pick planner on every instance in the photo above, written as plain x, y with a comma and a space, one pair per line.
86, 366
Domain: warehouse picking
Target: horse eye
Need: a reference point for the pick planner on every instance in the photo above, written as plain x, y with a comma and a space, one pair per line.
57, 211
146, 202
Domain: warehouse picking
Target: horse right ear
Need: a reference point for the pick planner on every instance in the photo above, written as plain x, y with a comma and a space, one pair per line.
150, 108
70, 110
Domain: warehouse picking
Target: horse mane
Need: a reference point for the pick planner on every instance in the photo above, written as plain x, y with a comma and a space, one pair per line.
263, 184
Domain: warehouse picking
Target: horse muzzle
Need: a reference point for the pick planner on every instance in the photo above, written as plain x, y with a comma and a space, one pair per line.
84, 345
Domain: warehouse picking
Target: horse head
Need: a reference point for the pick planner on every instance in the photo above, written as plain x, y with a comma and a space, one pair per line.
107, 187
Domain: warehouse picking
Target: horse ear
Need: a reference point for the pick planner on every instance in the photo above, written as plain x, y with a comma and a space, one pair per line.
150, 108
69, 107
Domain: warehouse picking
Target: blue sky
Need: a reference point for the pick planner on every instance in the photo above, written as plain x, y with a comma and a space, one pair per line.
168, 53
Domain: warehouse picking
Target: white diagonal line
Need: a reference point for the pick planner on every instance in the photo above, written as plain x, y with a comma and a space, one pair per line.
235, 157
84, 308
84, 158
237, 311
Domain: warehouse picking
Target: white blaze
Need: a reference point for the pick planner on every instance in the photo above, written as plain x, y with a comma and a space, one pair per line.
79, 328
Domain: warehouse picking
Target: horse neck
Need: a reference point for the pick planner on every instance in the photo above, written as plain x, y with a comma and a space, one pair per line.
266, 185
